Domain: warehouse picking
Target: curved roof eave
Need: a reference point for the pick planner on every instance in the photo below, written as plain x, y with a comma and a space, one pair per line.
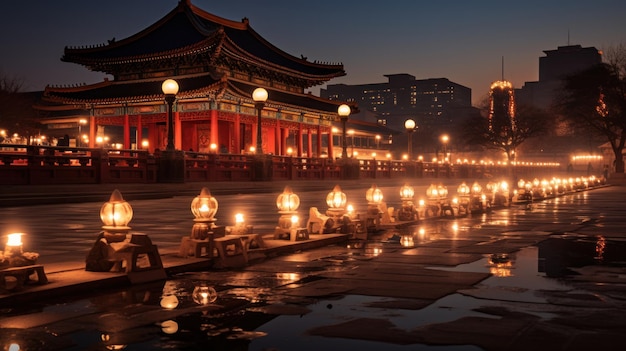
281, 98
114, 92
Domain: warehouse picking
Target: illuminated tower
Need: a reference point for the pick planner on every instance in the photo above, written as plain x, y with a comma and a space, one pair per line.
501, 108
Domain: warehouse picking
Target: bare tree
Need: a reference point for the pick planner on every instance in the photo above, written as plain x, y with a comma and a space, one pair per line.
595, 100
16, 112
529, 122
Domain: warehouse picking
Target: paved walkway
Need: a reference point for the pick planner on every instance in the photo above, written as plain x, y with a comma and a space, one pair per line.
589, 314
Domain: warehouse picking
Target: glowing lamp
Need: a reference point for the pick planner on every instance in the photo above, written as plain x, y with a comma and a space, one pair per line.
476, 188
204, 295
287, 202
442, 190
295, 220
14, 245
343, 111
169, 87
374, 195
259, 95
239, 219
406, 192
204, 206
463, 189
336, 199
116, 213
432, 192
169, 327
169, 302
350, 210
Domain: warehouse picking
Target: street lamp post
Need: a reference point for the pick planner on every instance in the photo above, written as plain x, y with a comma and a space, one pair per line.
344, 111
259, 95
444, 142
410, 127
170, 89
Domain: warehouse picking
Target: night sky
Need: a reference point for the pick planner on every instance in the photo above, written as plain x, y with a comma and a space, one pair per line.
461, 40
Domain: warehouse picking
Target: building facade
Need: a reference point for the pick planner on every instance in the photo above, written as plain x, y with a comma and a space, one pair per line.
436, 101
217, 64
556, 65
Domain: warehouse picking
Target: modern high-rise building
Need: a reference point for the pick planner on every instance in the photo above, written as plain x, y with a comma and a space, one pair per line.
430, 102
553, 68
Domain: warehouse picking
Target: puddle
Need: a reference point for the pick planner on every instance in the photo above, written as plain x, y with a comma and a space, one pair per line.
232, 312
290, 332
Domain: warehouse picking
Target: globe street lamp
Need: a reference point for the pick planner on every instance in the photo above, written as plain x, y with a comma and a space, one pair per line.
410, 127
344, 111
170, 89
259, 95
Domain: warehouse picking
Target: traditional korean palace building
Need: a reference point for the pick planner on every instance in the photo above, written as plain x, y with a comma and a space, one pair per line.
217, 64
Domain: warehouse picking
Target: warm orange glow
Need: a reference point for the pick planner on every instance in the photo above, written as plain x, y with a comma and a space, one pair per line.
14, 239
287, 201
374, 195
336, 199
204, 206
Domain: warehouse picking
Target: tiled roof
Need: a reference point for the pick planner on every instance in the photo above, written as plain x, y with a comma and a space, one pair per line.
187, 30
280, 97
132, 91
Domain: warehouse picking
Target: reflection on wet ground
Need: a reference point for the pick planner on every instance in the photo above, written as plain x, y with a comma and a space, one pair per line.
245, 311
522, 273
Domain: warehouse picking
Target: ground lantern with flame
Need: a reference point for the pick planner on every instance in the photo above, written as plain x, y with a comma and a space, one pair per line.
116, 214
287, 203
203, 208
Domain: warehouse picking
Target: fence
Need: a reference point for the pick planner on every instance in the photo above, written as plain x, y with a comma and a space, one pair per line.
21, 164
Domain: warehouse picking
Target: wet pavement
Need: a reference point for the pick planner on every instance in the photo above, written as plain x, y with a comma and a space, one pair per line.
548, 277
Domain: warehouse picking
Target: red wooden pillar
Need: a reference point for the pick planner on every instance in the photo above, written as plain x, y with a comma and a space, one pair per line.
139, 133
126, 129
284, 136
92, 130
277, 136
178, 135
300, 146
237, 135
331, 154
214, 128
254, 126
309, 149
319, 141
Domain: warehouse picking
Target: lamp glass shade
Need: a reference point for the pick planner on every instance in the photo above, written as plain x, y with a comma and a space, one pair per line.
463, 189
432, 191
409, 124
169, 87
407, 192
374, 195
204, 295
287, 201
343, 110
259, 95
204, 206
476, 188
336, 198
116, 213
442, 190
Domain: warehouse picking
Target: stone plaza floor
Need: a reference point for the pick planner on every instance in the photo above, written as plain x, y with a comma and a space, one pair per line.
550, 276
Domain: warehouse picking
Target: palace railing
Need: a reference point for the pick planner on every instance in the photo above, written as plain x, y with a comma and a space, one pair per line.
21, 164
